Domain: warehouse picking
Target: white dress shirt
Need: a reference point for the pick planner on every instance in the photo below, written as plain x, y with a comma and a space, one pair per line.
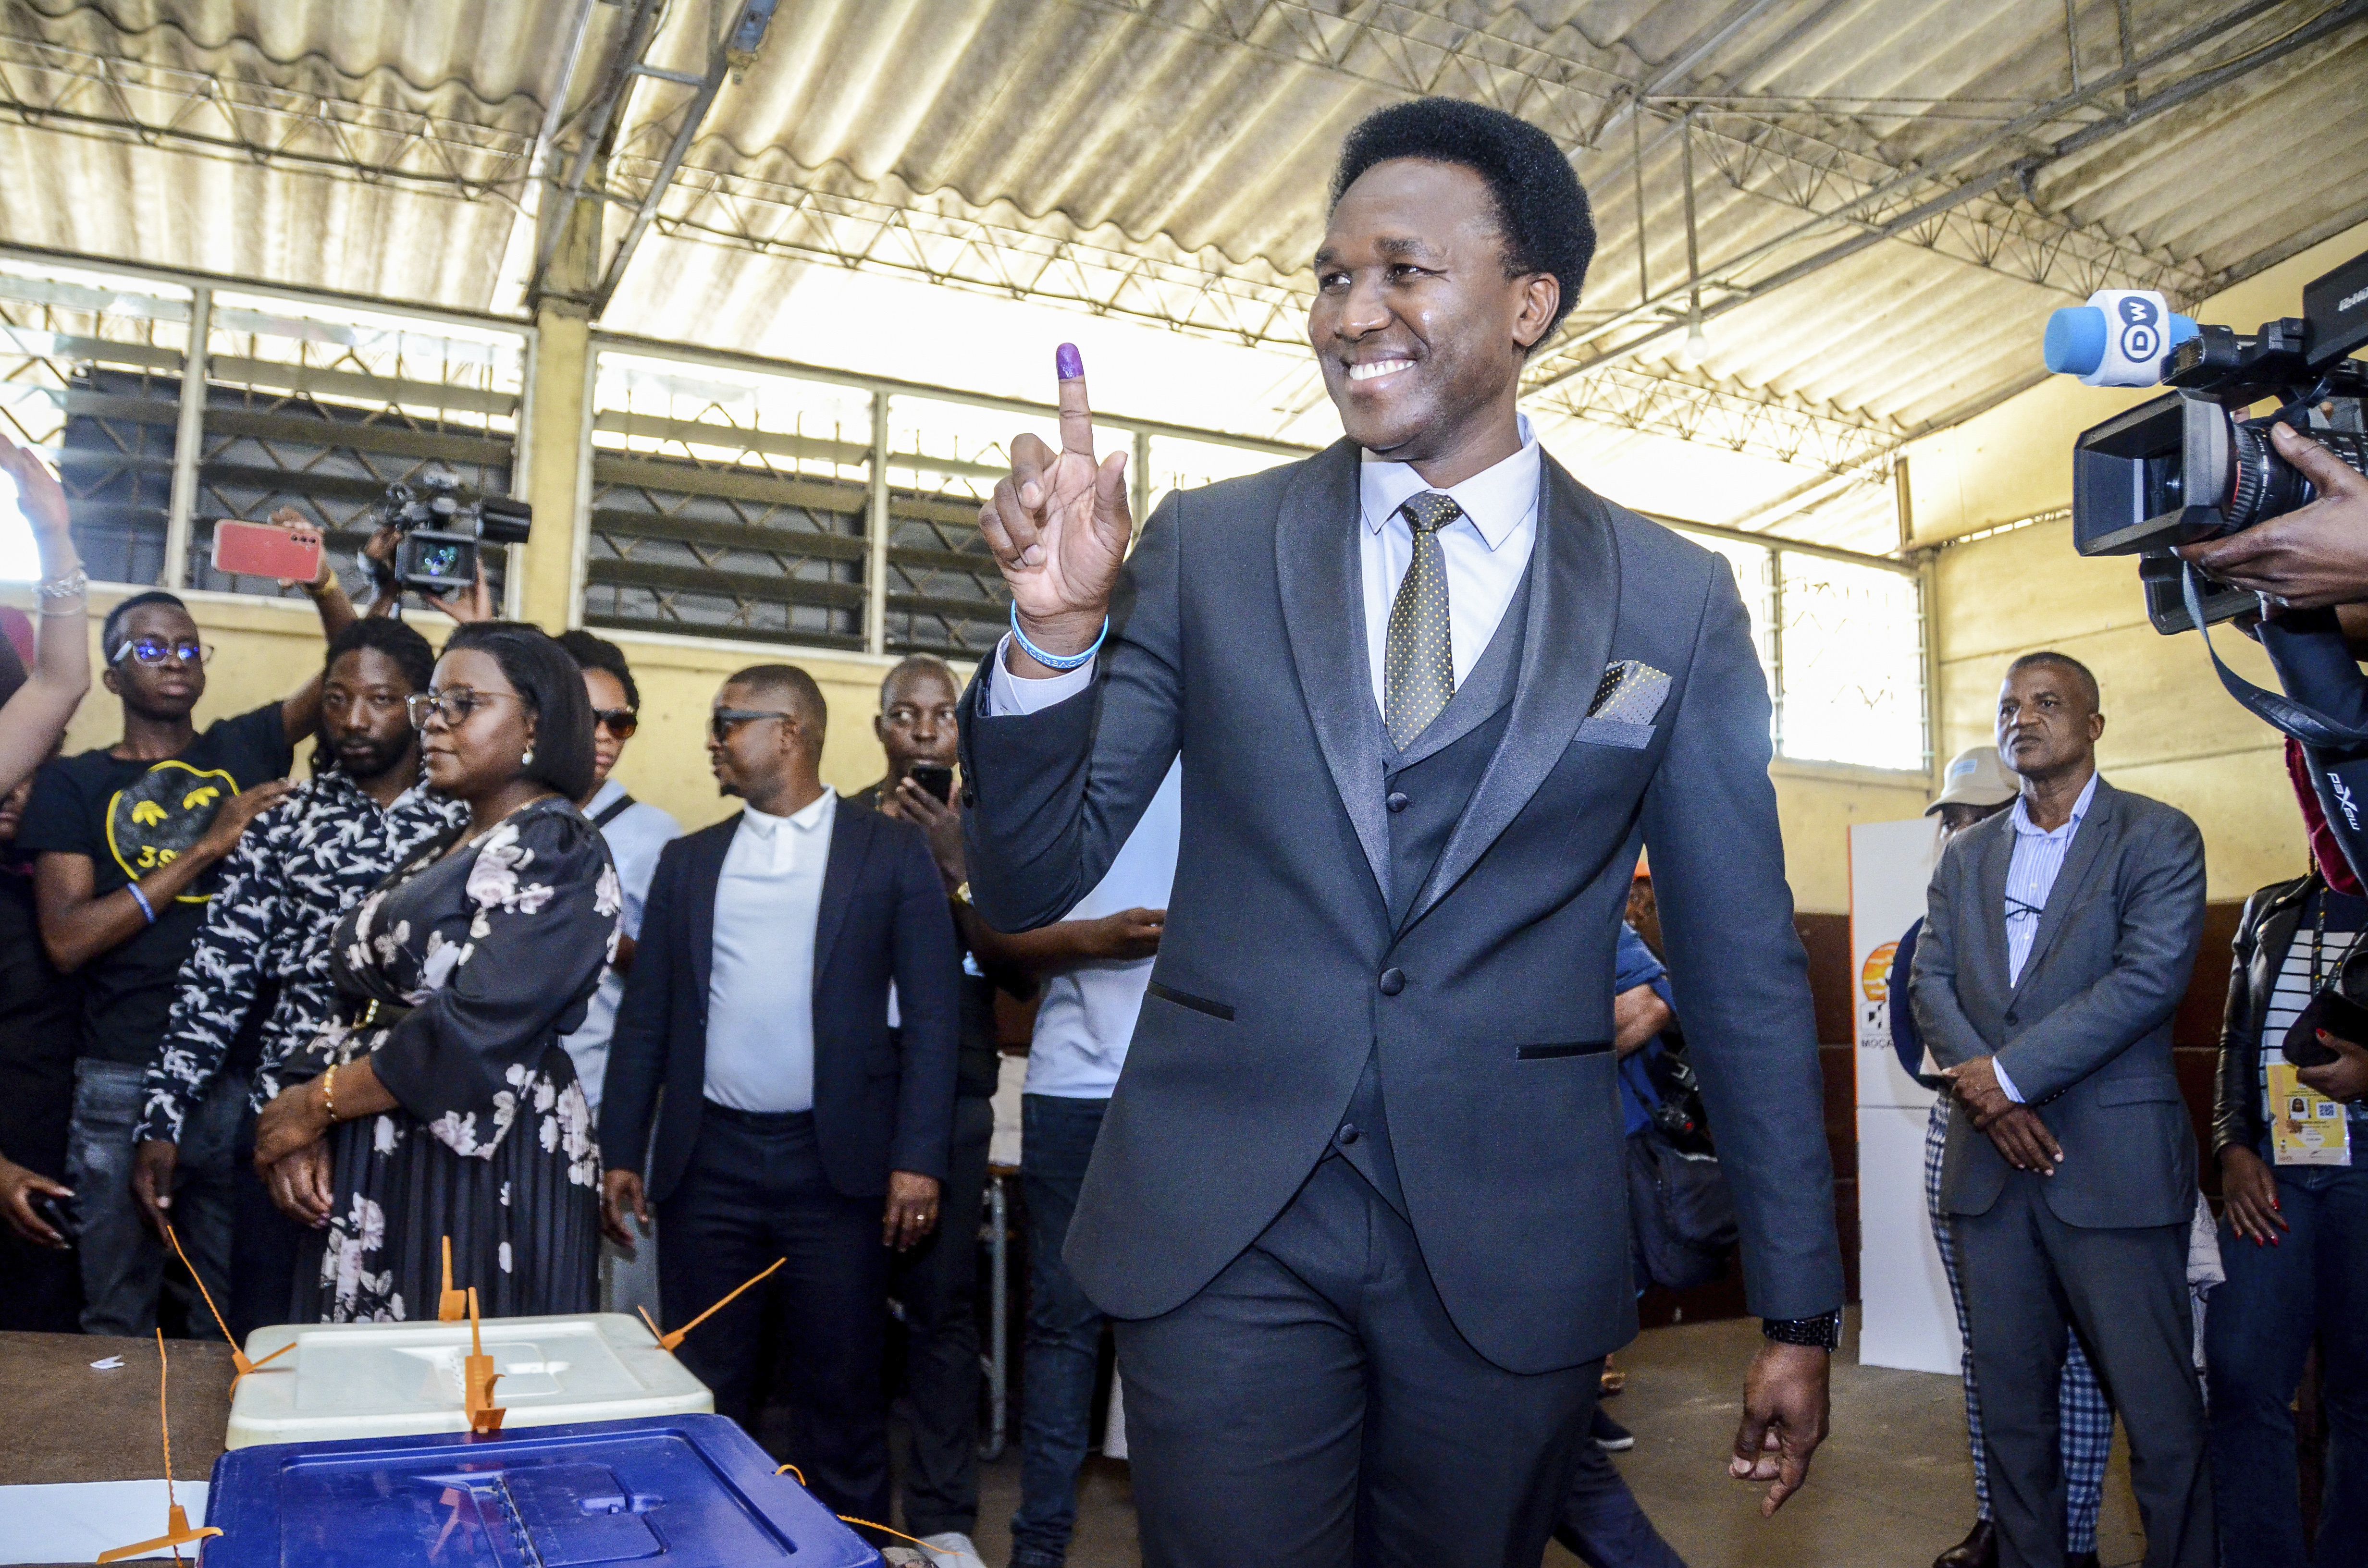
634, 836
1087, 1015
761, 983
2030, 878
1486, 550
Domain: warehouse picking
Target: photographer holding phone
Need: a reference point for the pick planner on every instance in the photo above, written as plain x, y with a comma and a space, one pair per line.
35, 714
126, 839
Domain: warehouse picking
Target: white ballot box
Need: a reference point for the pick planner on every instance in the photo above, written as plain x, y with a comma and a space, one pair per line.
384, 1379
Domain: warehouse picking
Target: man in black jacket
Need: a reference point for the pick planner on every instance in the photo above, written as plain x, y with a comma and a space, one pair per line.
758, 1000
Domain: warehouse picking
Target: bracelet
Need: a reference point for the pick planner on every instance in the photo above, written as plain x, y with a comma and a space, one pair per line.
1056, 661
141, 899
71, 585
329, 1093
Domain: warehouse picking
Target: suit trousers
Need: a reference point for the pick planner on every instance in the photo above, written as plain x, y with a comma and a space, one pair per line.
2030, 1282
754, 1192
1313, 1406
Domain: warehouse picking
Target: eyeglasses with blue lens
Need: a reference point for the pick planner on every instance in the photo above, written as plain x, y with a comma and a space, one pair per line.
157, 651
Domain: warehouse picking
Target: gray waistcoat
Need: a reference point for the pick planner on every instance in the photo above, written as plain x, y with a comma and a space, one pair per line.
1424, 789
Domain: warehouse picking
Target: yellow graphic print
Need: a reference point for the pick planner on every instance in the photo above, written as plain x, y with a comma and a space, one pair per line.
166, 810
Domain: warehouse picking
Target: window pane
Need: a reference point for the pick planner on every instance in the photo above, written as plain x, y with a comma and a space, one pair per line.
1853, 665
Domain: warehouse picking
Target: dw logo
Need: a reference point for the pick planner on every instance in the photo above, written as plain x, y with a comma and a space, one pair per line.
2141, 328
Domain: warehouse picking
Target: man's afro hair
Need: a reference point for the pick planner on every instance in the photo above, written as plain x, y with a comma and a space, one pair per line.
1540, 207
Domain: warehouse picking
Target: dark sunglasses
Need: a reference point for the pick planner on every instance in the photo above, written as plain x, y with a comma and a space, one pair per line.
720, 722
621, 721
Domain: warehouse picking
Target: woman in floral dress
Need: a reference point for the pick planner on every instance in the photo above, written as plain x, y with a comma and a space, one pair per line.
445, 1105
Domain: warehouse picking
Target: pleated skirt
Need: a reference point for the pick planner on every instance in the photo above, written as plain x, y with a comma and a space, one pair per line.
525, 1225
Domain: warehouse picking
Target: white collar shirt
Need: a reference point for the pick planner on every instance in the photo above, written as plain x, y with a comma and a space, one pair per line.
2031, 876
761, 973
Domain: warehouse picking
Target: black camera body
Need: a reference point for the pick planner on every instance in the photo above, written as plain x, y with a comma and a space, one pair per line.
2192, 465
443, 532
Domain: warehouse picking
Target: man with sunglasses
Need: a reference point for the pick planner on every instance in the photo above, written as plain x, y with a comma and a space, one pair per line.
127, 839
635, 832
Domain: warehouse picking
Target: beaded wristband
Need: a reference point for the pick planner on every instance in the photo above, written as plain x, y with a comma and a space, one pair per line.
1057, 660
141, 899
1824, 1332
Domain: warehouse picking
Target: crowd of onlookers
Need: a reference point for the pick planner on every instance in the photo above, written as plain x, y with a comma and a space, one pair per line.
457, 1008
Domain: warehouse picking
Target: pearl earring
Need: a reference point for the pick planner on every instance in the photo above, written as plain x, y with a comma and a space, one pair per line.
528, 760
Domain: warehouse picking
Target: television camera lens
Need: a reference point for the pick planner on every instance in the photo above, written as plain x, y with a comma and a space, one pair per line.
2263, 484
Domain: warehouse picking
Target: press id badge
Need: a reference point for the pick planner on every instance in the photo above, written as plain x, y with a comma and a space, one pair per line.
2309, 1129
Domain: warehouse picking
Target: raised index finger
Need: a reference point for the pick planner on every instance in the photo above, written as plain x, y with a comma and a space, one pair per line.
1076, 419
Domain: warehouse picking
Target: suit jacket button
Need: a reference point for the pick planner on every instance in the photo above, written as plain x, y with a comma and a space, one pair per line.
1393, 982
1348, 1134
1396, 801
2012, 1019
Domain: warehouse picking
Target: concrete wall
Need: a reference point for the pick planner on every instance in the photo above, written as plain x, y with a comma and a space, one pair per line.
2170, 730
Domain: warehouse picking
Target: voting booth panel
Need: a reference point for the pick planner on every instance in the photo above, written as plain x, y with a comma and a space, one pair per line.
1907, 1320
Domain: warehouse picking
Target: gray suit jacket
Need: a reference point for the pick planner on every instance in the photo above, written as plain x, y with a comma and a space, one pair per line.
2086, 1033
1238, 638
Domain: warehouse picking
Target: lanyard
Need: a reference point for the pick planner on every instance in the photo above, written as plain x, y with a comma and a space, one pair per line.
2318, 944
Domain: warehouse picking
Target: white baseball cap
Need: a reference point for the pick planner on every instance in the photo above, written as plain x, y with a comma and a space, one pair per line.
1975, 778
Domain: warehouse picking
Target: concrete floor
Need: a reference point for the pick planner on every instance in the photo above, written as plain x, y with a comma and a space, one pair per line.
1891, 1488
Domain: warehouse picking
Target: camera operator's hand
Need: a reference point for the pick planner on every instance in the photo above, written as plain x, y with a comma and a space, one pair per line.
2312, 556
2346, 1077
476, 604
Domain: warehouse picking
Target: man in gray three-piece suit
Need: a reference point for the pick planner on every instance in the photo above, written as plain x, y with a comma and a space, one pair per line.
2060, 936
1358, 1203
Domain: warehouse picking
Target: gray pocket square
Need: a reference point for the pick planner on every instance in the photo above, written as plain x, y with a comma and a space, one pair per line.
1632, 692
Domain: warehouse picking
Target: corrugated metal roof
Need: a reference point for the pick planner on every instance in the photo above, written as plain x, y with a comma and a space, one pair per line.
1051, 144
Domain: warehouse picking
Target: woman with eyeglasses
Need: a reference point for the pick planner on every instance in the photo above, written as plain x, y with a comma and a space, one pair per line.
35, 716
451, 1109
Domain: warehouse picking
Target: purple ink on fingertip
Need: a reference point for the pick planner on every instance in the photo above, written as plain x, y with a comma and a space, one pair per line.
1067, 363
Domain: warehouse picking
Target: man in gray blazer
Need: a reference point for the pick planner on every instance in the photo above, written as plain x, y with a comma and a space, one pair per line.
1358, 1200
2059, 939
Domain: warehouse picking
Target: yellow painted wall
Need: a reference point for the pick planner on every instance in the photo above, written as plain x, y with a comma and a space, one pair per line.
2170, 730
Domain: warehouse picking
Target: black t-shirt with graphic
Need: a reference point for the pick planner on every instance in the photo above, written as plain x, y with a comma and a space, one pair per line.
129, 818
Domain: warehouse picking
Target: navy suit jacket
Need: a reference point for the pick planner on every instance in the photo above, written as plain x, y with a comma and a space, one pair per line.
884, 1099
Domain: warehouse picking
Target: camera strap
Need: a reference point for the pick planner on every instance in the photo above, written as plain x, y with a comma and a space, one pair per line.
2300, 720
613, 810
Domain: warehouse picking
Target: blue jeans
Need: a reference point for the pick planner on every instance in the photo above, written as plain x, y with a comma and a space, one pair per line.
123, 1262
2258, 1327
1056, 1139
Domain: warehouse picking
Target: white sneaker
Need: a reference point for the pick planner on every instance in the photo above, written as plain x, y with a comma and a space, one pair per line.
954, 1550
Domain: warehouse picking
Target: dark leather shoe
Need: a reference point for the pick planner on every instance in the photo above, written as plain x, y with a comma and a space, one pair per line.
2079, 1560
1978, 1550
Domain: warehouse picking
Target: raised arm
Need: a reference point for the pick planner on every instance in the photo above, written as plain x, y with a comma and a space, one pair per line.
36, 715
1057, 790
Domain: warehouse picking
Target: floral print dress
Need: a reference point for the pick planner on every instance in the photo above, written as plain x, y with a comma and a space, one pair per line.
495, 949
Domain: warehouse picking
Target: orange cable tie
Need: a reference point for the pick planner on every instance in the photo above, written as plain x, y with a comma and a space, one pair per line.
668, 1341
237, 1355
178, 1532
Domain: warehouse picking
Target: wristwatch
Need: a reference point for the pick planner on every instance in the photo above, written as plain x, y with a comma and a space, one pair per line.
1825, 1331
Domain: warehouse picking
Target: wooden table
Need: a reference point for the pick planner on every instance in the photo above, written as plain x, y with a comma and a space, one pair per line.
67, 1423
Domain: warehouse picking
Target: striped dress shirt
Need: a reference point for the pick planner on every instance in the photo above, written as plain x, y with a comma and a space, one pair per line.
2030, 878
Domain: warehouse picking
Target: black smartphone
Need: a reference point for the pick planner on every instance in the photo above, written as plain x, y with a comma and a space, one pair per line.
938, 781
59, 1213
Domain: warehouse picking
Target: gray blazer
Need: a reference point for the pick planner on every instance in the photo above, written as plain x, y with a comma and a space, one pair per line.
2086, 1033
1238, 638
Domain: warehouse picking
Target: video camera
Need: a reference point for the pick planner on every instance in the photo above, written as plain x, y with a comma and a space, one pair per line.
2194, 465
442, 532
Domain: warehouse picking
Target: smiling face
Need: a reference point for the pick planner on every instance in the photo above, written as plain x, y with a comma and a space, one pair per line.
167, 690
2046, 723
483, 750
1419, 333
362, 715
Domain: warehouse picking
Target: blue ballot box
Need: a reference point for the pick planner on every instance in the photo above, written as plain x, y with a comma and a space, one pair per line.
694, 1490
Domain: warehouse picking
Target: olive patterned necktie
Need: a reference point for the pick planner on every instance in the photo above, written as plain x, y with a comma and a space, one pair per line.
1417, 661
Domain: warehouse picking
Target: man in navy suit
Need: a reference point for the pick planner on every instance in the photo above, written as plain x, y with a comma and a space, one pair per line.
796, 1123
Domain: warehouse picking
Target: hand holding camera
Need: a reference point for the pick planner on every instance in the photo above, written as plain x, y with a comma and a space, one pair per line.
2306, 559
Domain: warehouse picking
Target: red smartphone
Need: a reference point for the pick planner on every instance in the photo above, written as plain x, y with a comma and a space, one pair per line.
265, 550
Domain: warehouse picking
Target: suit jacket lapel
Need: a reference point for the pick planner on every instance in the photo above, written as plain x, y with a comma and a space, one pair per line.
850, 839
2087, 844
1574, 608
1317, 571
706, 873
